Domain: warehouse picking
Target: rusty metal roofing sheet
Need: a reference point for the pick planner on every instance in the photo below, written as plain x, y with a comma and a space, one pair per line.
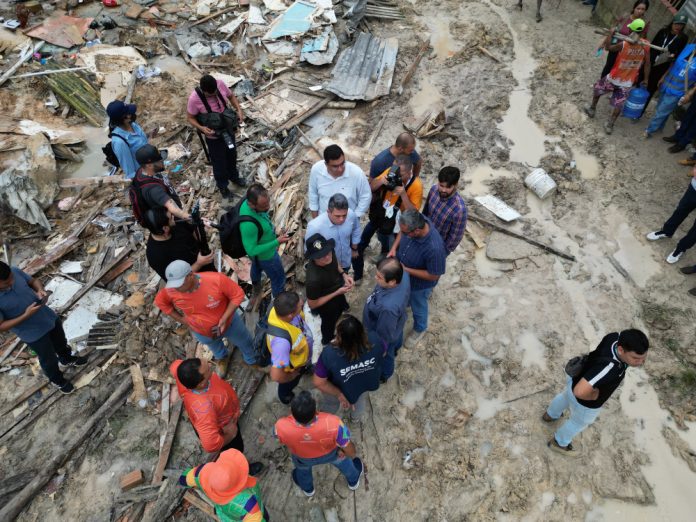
365, 70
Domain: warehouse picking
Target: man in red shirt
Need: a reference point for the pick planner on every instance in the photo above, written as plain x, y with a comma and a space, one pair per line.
315, 438
212, 405
207, 303
623, 75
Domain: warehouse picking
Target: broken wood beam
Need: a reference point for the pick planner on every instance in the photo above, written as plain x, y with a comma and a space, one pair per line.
92, 181
412, 69
485, 51
534, 242
25, 55
14, 507
214, 15
310, 142
131, 480
168, 442
296, 120
201, 504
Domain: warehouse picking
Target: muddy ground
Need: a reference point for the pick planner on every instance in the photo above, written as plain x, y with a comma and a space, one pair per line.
457, 435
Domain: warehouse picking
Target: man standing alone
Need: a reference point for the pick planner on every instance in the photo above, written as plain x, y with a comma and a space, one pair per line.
586, 392
446, 208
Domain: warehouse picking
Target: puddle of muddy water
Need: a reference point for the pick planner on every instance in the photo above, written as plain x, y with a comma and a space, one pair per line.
532, 350
441, 39
586, 164
484, 266
479, 178
634, 257
93, 161
671, 480
427, 99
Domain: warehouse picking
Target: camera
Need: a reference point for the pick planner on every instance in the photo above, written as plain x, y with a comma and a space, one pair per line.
393, 178
227, 137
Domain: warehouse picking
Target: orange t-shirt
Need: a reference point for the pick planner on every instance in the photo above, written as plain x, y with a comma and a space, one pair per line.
209, 410
204, 306
414, 192
628, 63
320, 438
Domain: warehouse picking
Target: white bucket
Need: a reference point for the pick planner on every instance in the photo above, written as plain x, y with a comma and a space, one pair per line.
540, 183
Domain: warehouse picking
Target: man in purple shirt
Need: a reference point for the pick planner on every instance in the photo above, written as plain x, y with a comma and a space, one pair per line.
446, 208
422, 253
212, 96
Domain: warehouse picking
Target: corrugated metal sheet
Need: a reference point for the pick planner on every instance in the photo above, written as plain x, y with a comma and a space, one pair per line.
365, 70
689, 9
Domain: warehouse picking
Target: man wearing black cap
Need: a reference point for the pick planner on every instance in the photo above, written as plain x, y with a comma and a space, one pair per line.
151, 188
126, 136
212, 96
326, 284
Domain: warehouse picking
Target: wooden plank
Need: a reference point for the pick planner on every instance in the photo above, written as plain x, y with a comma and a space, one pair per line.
306, 114
132, 479
412, 69
476, 234
214, 15
168, 442
15, 482
201, 504
25, 55
139, 391
92, 181
116, 271
10, 348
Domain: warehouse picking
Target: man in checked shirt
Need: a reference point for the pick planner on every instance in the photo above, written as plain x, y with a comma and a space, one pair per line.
446, 208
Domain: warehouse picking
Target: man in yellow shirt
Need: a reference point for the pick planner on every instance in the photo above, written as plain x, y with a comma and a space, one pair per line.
390, 193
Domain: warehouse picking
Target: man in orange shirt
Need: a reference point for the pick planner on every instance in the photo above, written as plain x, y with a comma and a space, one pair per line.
390, 193
315, 438
624, 73
207, 303
212, 405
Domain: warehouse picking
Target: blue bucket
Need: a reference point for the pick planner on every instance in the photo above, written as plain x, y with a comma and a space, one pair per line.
637, 98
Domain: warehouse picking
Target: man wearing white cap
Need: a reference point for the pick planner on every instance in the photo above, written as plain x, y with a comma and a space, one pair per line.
207, 303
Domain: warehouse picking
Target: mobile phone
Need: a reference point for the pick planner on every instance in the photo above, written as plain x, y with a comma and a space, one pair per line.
290, 234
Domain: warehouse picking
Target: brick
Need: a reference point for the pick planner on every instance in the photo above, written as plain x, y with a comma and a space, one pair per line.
132, 479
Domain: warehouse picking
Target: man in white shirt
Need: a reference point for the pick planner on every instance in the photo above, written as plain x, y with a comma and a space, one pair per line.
342, 225
335, 175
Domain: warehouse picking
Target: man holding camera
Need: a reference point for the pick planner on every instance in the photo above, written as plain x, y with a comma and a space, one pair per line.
397, 188
208, 112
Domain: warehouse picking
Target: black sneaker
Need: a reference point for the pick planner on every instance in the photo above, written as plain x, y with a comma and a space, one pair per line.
225, 193
688, 270
73, 360
66, 388
287, 399
670, 139
255, 469
677, 147
240, 182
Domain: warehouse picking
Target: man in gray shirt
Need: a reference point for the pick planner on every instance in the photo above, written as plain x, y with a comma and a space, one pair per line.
342, 225
384, 314
23, 310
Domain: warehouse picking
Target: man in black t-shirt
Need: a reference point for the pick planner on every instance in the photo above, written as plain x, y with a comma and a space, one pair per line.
585, 393
170, 241
326, 284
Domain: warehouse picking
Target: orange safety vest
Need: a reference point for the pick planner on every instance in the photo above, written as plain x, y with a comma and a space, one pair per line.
309, 442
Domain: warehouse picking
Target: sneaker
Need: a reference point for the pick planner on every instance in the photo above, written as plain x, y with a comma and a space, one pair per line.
688, 162
73, 360
240, 182
66, 388
589, 110
670, 139
547, 418
674, 257
568, 450
255, 469
693, 292
415, 338
647, 135
225, 193
309, 494
688, 270
608, 127
658, 234
287, 399
677, 147
359, 465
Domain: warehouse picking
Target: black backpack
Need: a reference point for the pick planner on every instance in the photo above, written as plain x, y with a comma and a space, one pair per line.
108, 151
262, 354
136, 195
231, 236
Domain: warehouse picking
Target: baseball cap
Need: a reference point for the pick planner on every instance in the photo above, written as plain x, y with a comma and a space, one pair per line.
176, 273
637, 25
117, 109
318, 246
150, 154
223, 479
680, 19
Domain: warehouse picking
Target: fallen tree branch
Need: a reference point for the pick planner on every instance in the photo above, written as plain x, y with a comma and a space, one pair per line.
534, 242
14, 507
412, 69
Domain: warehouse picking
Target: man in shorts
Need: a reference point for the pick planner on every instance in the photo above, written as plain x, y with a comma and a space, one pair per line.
623, 74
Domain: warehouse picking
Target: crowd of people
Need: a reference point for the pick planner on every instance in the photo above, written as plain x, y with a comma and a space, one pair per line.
416, 230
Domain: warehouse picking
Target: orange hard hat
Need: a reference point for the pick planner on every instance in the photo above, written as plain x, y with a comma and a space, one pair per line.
223, 479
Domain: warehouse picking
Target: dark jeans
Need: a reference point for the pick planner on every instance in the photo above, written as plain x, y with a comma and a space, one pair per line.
385, 241
285, 389
687, 129
390, 357
49, 349
236, 443
224, 161
686, 205
274, 270
330, 313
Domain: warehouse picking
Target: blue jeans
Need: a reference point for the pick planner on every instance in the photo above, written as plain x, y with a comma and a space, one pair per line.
390, 358
273, 269
419, 307
237, 335
580, 416
663, 110
303, 468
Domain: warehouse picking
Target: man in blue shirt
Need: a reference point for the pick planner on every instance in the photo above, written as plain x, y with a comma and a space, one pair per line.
406, 145
422, 253
23, 311
384, 314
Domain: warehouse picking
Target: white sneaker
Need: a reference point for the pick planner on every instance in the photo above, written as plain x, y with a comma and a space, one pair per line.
658, 234
674, 257
414, 338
